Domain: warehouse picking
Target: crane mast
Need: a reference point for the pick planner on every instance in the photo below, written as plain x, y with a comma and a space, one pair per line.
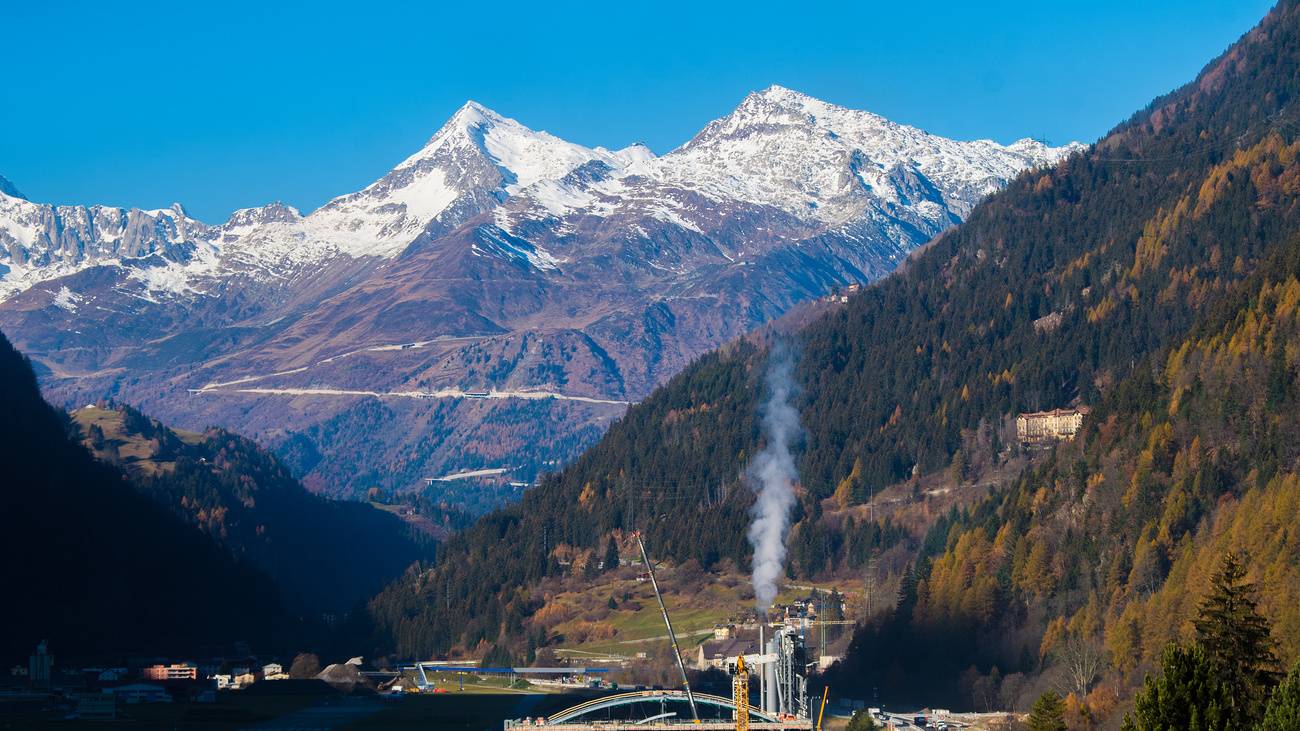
740, 694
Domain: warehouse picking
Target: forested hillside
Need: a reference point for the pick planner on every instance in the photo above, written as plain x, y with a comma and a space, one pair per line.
1153, 278
96, 567
325, 555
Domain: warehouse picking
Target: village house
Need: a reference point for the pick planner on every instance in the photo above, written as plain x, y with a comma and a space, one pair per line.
718, 653
175, 671
1044, 427
111, 675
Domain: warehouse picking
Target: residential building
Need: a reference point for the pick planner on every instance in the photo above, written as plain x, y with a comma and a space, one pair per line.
719, 653
272, 668
176, 671
1044, 427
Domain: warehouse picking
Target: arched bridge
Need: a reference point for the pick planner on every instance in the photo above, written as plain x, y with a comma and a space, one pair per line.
648, 696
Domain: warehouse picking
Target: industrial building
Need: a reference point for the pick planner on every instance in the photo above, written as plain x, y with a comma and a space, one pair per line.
781, 701
780, 669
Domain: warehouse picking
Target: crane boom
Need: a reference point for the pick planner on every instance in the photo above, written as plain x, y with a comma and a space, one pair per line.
825, 692
672, 636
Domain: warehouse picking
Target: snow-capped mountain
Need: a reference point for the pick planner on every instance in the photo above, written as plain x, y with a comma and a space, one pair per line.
560, 279
817, 161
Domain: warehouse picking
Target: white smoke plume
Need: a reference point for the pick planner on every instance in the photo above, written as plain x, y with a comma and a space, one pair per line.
772, 476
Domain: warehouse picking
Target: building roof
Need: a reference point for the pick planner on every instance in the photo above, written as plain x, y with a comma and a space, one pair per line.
1055, 412
730, 647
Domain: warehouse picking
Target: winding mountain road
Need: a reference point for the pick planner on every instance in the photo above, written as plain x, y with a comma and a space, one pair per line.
219, 388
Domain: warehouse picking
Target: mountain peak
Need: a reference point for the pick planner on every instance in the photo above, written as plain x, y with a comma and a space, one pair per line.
776, 92
635, 152
471, 113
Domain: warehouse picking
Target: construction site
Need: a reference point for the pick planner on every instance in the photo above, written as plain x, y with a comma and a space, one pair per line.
769, 691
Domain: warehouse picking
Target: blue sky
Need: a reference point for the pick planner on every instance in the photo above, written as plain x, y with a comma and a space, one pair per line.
237, 104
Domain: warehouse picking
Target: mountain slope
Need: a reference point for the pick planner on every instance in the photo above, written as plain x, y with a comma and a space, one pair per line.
565, 281
98, 568
324, 555
1150, 278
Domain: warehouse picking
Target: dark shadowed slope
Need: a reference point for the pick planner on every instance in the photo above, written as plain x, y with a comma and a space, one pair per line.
93, 565
325, 555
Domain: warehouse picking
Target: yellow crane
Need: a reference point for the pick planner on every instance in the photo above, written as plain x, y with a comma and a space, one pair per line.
740, 694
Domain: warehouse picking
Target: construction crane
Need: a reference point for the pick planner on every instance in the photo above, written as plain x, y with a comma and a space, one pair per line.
672, 636
740, 694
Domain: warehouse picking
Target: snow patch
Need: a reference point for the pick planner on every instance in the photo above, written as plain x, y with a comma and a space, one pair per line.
66, 299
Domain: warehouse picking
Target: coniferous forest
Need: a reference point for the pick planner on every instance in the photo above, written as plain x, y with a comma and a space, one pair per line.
1153, 278
1140, 574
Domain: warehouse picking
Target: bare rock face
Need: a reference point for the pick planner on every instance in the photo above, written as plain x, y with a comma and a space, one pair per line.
495, 300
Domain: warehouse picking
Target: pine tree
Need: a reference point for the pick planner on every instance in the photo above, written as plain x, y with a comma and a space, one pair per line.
611, 554
1236, 638
861, 721
1048, 713
1283, 712
1186, 694
959, 466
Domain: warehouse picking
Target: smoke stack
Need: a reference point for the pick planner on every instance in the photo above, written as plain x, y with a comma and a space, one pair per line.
772, 475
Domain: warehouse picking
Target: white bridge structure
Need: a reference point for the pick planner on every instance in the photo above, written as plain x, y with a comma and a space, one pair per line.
650, 709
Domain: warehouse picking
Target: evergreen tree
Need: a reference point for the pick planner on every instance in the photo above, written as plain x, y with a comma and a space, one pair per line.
1048, 713
1187, 694
958, 468
1283, 712
611, 554
497, 656
861, 721
1236, 638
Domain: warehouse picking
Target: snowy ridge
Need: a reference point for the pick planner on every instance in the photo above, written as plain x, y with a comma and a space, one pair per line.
825, 167
39, 242
477, 150
811, 159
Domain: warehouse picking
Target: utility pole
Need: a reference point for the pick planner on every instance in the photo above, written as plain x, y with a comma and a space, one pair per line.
672, 636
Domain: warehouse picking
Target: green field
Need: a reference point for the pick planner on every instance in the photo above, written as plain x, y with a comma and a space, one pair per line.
591, 628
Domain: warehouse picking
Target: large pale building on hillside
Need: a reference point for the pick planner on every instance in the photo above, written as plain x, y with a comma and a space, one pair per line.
1043, 427
179, 671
